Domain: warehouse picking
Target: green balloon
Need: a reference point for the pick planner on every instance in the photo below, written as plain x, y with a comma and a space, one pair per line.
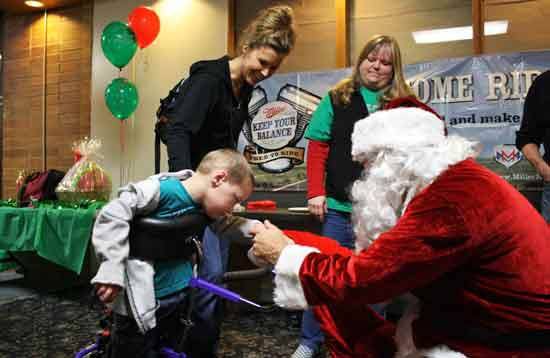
118, 43
121, 97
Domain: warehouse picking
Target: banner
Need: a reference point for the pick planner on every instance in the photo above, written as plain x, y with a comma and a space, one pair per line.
480, 98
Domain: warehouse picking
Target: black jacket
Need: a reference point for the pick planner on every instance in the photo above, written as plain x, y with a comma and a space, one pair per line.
206, 115
535, 125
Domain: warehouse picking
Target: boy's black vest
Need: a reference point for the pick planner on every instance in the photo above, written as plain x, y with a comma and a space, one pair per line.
341, 170
168, 238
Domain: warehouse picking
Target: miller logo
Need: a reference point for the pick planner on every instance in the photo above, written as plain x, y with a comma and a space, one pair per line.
273, 110
507, 154
274, 129
274, 126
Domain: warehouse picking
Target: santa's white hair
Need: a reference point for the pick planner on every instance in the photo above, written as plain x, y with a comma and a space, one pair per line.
403, 150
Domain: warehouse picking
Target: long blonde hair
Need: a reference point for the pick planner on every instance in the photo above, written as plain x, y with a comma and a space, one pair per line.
341, 93
273, 27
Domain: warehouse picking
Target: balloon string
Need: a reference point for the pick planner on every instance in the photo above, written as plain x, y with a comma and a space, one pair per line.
122, 152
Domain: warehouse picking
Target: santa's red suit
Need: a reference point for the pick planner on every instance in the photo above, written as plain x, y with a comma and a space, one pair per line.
469, 246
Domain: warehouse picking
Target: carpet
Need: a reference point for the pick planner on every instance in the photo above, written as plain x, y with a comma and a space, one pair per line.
58, 325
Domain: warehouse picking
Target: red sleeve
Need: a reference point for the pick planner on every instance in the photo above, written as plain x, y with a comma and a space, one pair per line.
317, 154
324, 244
428, 241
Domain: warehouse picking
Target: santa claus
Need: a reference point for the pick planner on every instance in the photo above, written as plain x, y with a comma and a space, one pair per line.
431, 221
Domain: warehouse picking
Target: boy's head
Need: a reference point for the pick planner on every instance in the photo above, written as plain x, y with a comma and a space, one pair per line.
230, 181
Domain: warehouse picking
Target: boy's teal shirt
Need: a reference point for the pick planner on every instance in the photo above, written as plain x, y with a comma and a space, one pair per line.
320, 126
174, 275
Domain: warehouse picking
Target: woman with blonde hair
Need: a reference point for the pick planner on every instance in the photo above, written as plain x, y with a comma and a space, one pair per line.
206, 112
376, 82
389, 81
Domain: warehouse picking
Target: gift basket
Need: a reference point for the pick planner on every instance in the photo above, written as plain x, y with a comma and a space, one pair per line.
86, 180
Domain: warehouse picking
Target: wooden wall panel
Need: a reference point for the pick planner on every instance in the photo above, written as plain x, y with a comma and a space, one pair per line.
1, 96
400, 18
342, 35
22, 132
478, 26
528, 28
47, 72
315, 48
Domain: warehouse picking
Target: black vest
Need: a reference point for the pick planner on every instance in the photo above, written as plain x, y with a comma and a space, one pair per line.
167, 238
341, 170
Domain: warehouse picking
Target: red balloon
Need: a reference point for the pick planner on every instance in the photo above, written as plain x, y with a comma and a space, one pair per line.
146, 25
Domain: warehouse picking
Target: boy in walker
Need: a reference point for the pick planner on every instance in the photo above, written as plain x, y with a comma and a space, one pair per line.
147, 295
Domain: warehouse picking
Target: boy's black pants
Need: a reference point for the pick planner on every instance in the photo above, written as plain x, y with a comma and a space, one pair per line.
126, 340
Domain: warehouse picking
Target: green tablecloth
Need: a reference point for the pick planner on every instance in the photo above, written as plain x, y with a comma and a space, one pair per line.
56, 232
6, 262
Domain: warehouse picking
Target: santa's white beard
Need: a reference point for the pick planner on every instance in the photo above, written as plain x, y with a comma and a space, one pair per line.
379, 197
392, 180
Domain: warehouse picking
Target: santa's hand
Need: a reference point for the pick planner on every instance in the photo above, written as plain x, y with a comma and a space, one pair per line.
269, 243
256, 260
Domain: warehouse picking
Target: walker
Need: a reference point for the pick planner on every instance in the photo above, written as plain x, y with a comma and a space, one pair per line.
162, 228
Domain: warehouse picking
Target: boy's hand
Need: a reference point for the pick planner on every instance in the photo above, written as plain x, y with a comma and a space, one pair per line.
257, 228
107, 292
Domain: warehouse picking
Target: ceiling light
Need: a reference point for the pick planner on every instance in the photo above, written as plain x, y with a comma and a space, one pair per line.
495, 27
32, 3
458, 33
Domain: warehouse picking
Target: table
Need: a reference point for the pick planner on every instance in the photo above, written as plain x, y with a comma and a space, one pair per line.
50, 241
285, 219
6, 261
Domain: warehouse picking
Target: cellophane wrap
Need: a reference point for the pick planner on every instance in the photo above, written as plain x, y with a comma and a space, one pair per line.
20, 181
86, 180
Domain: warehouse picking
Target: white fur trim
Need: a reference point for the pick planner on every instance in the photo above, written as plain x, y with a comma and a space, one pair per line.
289, 293
405, 343
398, 128
441, 351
